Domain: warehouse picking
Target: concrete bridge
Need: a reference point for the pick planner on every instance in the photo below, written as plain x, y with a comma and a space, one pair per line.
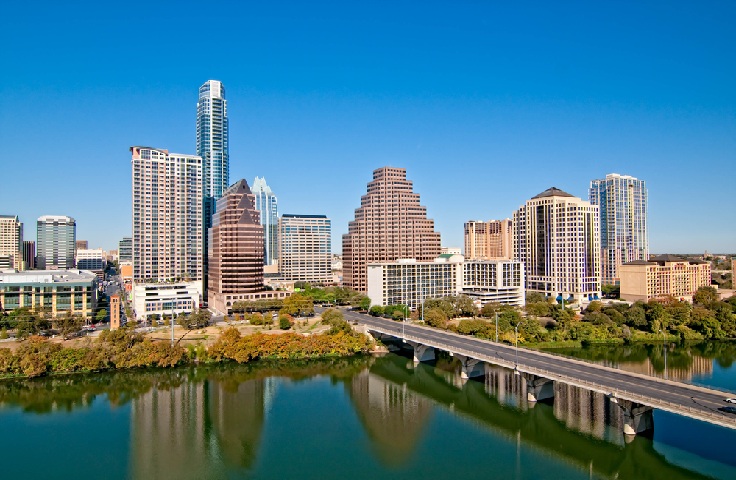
635, 394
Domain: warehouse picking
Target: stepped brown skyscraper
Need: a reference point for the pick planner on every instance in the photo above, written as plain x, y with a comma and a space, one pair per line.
389, 224
235, 248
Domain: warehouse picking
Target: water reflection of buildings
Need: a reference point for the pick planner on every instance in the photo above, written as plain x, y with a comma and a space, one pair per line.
197, 429
582, 410
392, 415
700, 366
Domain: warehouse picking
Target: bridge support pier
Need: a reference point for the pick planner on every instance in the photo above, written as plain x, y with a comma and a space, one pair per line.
638, 419
538, 388
422, 353
471, 367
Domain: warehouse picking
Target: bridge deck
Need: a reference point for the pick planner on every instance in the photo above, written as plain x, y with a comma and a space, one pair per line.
683, 399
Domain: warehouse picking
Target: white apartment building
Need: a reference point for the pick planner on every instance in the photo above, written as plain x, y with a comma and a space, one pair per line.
499, 281
167, 216
408, 282
557, 238
305, 248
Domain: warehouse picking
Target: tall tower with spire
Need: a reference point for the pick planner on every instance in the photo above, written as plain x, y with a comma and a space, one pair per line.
213, 147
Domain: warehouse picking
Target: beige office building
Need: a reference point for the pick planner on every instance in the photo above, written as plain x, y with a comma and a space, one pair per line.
11, 242
663, 276
167, 216
556, 236
389, 224
489, 240
305, 251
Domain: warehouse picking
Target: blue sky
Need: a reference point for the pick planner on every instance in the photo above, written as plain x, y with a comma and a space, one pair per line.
485, 103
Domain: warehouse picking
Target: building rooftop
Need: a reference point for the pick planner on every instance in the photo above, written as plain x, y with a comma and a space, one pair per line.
47, 276
293, 215
553, 192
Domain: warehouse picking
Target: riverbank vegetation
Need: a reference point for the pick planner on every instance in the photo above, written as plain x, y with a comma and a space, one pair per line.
126, 349
544, 321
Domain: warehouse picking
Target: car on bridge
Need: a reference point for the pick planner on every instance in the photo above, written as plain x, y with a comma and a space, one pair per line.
728, 409
730, 400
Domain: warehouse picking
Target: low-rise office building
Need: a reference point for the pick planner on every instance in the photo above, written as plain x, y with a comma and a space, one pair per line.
663, 276
408, 282
160, 299
55, 291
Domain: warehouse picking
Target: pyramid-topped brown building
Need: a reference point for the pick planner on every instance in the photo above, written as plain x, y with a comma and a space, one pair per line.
235, 248
389, 224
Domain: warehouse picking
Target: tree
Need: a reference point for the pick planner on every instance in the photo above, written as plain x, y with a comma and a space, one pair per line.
364, 303
435, 317
69, 324
611, 291
636, 316
705, 296
376, 311
298, 304
284, 322
464, 306
331, 316
535, 297
101, 315
490, 309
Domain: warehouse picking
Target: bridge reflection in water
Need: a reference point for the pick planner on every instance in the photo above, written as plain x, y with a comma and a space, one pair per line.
582, 427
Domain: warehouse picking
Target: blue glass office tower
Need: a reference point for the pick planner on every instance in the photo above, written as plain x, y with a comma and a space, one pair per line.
267, 204
622, 202
56, 242
213, 147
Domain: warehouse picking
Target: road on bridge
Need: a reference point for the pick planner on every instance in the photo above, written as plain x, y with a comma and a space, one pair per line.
681, 398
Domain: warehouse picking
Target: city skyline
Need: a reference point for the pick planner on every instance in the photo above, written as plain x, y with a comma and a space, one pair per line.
499, 102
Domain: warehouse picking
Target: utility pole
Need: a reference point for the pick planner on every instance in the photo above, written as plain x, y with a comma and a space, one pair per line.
496, 314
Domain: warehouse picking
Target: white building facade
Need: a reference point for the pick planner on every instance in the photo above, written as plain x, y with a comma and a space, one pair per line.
165, 298
556, 237
408, 282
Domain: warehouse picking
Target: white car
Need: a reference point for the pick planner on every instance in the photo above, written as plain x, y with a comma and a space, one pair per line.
730, 400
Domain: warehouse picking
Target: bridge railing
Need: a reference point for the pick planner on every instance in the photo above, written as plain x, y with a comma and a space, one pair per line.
701, 412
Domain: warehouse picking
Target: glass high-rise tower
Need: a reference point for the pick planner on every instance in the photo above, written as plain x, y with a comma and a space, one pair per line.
622, 201
57, 237
267, 204
213, 148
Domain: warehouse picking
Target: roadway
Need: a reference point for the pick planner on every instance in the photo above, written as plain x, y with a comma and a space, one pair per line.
680, 398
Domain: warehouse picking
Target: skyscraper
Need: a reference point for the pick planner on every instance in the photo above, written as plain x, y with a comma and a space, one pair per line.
167, 216
267, 204
56, 242
488, 240
11, 241
212, 138
389, 224
236, 248
305, 245
213, 148
622, 203
557, 238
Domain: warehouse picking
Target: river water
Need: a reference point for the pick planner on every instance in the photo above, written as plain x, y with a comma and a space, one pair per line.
353, 418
